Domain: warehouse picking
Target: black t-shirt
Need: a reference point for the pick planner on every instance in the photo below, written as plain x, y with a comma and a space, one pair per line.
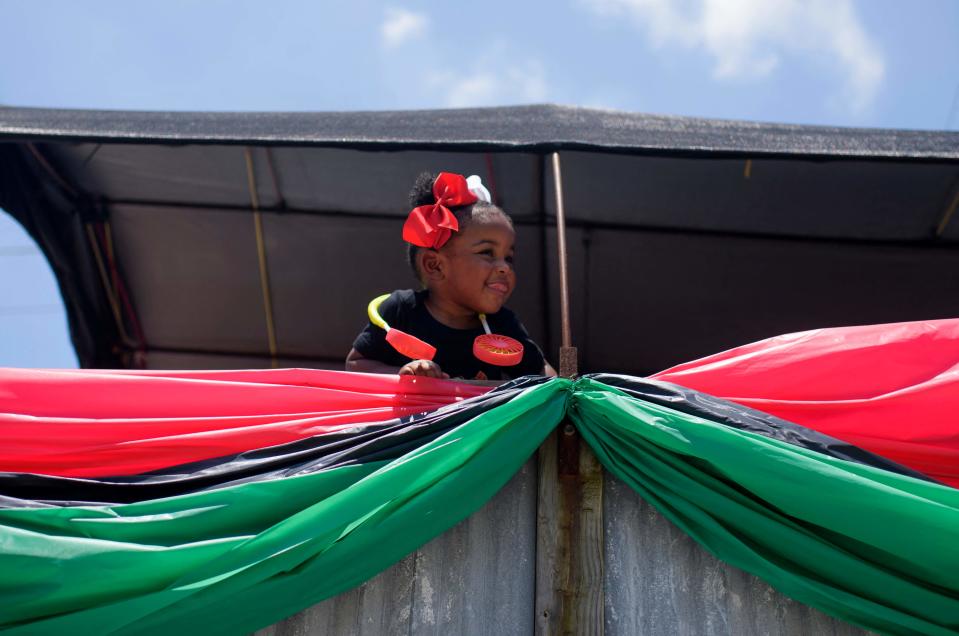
406, 310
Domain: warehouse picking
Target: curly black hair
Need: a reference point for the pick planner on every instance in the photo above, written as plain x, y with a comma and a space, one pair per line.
422, 194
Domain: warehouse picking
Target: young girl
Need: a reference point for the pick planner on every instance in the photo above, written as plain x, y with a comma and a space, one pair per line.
461, 250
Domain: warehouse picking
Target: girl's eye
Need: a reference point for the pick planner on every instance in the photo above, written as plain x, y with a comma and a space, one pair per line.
509, 259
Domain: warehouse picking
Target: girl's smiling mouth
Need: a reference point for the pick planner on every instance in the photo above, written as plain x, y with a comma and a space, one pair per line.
501, 287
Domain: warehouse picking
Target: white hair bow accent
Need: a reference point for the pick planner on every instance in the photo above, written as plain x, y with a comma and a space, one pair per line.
475, 185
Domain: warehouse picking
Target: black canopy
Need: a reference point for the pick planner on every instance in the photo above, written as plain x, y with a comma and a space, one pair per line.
686, 236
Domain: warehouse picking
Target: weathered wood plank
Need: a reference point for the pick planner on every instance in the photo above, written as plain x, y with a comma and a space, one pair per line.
586, 615
569, 552
660, 581
551, 560
382, 605
477, 578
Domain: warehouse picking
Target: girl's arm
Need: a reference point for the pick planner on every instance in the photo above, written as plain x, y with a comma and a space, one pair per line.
356, 362
548, 370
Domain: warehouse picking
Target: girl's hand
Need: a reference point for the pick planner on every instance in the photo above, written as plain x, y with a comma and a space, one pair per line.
426, 368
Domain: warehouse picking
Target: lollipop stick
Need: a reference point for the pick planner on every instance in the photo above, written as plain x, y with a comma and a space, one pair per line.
482, 318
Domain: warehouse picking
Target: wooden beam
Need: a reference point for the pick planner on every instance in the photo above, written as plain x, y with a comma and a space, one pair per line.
569, 541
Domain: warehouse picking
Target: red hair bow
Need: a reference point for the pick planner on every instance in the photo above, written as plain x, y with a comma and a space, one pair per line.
432, 225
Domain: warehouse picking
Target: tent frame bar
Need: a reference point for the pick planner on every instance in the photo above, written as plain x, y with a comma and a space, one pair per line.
947, 216
261, 256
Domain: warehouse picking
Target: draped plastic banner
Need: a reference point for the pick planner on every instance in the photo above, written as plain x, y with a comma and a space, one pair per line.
891, 389
837, 535
287, 487
234, 559
89, 423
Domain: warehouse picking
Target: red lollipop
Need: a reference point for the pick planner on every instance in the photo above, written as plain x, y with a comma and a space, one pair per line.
409, 345
496, 349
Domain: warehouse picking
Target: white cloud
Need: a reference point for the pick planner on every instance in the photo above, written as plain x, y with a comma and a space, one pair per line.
402, 25
748, 38
491, 81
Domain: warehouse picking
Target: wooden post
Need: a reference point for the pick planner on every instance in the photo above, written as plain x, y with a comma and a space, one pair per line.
569, 520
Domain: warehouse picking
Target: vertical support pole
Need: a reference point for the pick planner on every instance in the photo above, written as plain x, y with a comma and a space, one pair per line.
947, 215
549, 338
567, 353
261, 256
569, 520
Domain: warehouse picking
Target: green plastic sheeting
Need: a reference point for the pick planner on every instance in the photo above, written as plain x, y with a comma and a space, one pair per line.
234, 564
862, 544
868, 546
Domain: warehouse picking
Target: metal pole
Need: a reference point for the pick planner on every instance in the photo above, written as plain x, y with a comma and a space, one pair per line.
567, 352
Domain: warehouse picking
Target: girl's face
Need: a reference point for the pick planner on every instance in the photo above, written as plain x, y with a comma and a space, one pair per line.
479, 259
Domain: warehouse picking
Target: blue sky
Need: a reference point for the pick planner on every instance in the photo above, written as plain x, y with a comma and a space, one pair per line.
873, 63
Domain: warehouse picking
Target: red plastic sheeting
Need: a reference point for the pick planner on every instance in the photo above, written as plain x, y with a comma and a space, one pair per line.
87, 423
891, 389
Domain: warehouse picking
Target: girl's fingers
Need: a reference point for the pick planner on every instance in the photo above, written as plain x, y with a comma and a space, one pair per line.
425, 368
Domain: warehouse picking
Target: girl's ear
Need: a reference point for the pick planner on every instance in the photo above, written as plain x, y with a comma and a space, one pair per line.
432, 265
